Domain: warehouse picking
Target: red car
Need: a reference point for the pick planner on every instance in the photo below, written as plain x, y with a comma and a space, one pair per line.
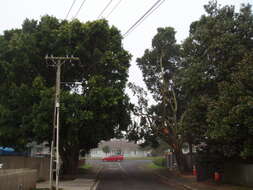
114, 158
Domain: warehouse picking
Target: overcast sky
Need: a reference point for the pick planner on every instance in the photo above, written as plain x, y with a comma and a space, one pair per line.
175, 13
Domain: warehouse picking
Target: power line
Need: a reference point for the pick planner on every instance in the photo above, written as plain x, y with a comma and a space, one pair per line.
75, 17
113, 9
74, 1
102, 12
79, 9
140, 19
148, 15
154, 7
153, 10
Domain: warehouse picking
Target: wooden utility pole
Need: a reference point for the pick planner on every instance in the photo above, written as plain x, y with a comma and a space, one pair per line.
55, 157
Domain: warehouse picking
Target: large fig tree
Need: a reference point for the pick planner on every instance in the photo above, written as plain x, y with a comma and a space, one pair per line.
96, 109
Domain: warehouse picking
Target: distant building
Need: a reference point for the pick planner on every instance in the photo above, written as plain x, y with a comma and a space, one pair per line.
38, 149
116, 147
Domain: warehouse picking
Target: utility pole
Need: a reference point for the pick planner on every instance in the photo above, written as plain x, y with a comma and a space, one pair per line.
55, 157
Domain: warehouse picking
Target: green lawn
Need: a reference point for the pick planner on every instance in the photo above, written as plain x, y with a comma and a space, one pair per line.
86, 166
157, 162
154, 166
141, 158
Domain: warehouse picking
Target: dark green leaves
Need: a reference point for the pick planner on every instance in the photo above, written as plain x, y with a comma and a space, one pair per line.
100, 108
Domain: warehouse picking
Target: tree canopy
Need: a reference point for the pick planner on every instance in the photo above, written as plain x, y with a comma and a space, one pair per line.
160, 66
106, 149
203, 87
95, 110
217, 76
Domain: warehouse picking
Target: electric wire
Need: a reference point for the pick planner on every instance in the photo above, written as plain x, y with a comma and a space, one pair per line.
73, 19
153, 10
148, 15
106, 7
142, 17
79, 9
113, 9
74, 1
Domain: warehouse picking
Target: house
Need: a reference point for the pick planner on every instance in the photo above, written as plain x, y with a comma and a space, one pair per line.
116, 147
35, 149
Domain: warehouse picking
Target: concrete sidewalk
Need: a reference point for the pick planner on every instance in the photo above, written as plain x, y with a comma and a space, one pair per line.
189, 181
86, 181
76, 184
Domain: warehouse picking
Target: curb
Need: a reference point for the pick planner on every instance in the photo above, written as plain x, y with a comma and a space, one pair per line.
183, 185
188, 187
94, 185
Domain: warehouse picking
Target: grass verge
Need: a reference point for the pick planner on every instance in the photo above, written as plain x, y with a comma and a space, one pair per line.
86, 166
154, 166
140, 158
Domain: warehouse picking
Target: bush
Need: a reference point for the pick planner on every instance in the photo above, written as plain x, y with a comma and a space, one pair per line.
160, 161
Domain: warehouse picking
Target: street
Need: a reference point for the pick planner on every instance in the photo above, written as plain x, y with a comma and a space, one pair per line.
128, 175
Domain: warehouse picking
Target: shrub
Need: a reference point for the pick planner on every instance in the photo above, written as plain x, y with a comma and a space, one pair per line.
160, 161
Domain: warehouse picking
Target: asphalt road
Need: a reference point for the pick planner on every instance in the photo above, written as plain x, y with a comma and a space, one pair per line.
128, 175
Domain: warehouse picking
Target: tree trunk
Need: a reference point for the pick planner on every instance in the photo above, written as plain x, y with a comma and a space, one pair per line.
181, 160
70, 158
191, 159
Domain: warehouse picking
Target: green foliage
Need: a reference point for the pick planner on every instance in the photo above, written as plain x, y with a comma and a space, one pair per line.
158, 149
86, 166
230, 116
106, 149
154, 166
97, 109
160, 161
217, 78
204, 89
163, 44
160, 67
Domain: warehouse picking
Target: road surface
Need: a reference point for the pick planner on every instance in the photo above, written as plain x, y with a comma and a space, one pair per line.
128, 175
